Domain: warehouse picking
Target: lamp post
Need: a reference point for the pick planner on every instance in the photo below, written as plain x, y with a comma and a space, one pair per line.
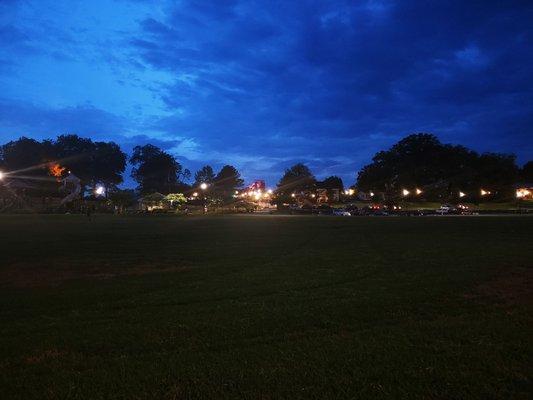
204, 187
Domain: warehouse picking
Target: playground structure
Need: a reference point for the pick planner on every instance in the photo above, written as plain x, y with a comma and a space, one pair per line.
72, 184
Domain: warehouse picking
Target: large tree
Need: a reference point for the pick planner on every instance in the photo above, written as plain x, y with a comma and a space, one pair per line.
297, 178
108, 164
25, 155
25, 163
227, 181
204, 175
441, 170
331, 182
75, 153
92, 162
526, 173
155, 170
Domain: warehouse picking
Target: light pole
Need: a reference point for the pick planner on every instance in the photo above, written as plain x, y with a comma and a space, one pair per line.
204, 187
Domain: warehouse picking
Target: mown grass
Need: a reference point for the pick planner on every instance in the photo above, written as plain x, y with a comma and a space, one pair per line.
265, 307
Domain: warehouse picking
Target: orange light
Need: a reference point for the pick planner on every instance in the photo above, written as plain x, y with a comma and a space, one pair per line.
56, 170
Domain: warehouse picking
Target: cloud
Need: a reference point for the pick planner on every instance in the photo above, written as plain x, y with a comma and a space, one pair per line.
261, 84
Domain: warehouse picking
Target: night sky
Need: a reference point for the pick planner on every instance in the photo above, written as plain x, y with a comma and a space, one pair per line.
265, 84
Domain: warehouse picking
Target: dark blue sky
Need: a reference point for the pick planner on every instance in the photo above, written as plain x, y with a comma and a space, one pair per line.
265, 84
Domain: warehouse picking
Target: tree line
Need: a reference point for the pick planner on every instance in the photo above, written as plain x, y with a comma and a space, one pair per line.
417, 161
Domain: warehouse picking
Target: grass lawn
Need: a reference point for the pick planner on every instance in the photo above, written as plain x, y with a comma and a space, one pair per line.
266, 307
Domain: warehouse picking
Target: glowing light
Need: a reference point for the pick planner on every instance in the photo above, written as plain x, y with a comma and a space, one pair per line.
269, 191
521, 193
56, 170
484, 192
203, 186
405, 192
236, 192
195, 194
257, 196
100, 190
313, 196
1, 175
418, 191
371, 194
293, 195
461, 194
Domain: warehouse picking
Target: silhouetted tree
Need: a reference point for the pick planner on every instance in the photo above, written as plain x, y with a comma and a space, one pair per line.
332, 182
204, 175
421, 160
227, 181
108, 164
75, 153
526, 172
295, 179
155, 170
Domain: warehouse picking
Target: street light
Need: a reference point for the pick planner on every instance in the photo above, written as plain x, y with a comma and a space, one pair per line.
1, 175
461, 194
100, 190
418, 191
203, 186
405, 192
484, 192
371, 194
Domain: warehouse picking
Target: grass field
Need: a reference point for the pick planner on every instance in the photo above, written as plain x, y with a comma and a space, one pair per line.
266, 307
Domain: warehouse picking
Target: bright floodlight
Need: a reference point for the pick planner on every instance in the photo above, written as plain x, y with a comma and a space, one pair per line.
405, 192
521, 193
461, 194
371, 194
1, 175
203, 186
418, 191
100, 190
484, 192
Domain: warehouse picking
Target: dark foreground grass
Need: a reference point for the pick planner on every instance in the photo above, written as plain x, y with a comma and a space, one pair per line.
265, 308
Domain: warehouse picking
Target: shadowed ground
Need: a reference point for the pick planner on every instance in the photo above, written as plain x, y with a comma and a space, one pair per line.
265, 307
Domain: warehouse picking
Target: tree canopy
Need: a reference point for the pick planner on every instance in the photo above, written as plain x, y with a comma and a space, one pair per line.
204, 175
295, 179
227, 181
155, 170
331, 182
421, 160
92, 162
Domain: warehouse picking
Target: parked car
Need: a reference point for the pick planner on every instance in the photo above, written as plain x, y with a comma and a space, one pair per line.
464, 209
324, 209
446, 209
341, 212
